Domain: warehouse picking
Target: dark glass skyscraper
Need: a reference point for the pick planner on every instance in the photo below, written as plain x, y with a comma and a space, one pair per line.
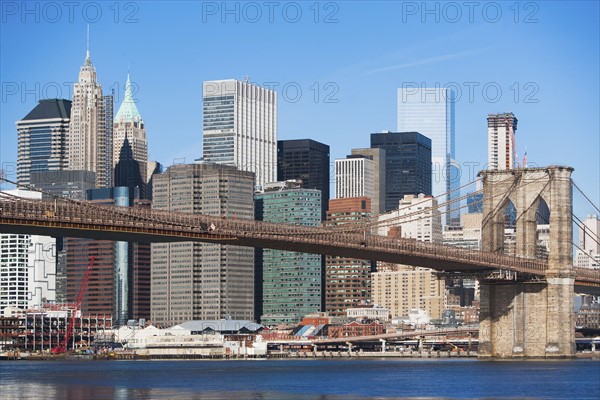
307, 160
407, 167
43, 139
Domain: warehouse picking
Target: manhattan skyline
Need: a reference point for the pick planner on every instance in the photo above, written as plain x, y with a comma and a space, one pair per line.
348, 66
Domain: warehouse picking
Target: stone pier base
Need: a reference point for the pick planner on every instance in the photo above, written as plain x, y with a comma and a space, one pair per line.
527, 319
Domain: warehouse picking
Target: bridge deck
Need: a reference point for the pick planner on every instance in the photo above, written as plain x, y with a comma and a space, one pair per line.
88, 220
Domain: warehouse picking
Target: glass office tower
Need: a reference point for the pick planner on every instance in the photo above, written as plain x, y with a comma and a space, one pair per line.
430, 111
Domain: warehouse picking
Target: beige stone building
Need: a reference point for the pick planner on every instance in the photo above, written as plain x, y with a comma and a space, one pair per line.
401, 288
192, 280
90, 127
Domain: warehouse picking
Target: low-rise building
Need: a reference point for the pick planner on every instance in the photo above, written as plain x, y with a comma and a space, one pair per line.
370, 312
354, 328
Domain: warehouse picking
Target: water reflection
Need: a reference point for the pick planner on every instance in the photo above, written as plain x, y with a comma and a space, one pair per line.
30, 391
299, 379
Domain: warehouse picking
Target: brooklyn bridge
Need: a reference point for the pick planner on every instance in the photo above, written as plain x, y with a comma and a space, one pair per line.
516, 290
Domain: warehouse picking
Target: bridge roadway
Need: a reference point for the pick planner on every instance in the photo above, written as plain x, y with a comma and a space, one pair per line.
67, 218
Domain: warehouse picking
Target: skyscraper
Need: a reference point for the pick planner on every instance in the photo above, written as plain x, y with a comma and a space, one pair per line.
71, 185
308, 161
407, 164
42, 136
130, 148
192, 280
240, 127
354, 177
347, 280
430, 111
120, 282
588, 253
400, 287
502, 150
90, 128
417, 217
291, 280
379, 163
27, 266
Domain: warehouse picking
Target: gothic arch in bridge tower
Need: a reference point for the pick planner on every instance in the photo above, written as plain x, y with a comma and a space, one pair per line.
527, 316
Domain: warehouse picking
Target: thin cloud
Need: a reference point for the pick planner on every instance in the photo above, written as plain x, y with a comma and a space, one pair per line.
430, 60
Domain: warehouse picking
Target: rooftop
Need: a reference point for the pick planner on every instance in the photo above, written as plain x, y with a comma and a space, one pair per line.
50, 109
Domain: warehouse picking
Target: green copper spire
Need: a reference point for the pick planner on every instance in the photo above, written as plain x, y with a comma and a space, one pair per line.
128, 111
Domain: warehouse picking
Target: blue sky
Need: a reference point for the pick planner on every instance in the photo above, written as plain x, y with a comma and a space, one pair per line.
340, 64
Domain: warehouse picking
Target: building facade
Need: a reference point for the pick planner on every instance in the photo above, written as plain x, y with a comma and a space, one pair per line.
71, 185
430, 111
120, 282
475, 203
90, 127
192, 280
403, 288
306, 160
27, 266
130, 147
354, 177
379, 184
502, 147
417, 217
347, 280
240, 127
588, 253
407, 164
291, 281
42, 139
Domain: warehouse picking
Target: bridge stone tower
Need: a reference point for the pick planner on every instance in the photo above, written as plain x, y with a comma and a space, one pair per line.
529, 317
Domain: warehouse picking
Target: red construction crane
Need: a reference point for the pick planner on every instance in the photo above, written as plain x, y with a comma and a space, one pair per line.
63, 348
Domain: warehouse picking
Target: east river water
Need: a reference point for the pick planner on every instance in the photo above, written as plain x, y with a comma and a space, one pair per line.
300, 379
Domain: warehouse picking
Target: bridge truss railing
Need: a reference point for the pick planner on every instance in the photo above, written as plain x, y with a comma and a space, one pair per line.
147, 220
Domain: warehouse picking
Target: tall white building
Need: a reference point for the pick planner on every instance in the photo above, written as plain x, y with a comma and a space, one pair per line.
502, 150
417, 217
240, 127
430, 111
354, 177
90, 129
27, 266
588, 256
379, 184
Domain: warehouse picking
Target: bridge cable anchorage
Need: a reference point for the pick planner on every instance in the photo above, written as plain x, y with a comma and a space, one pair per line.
585, 196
